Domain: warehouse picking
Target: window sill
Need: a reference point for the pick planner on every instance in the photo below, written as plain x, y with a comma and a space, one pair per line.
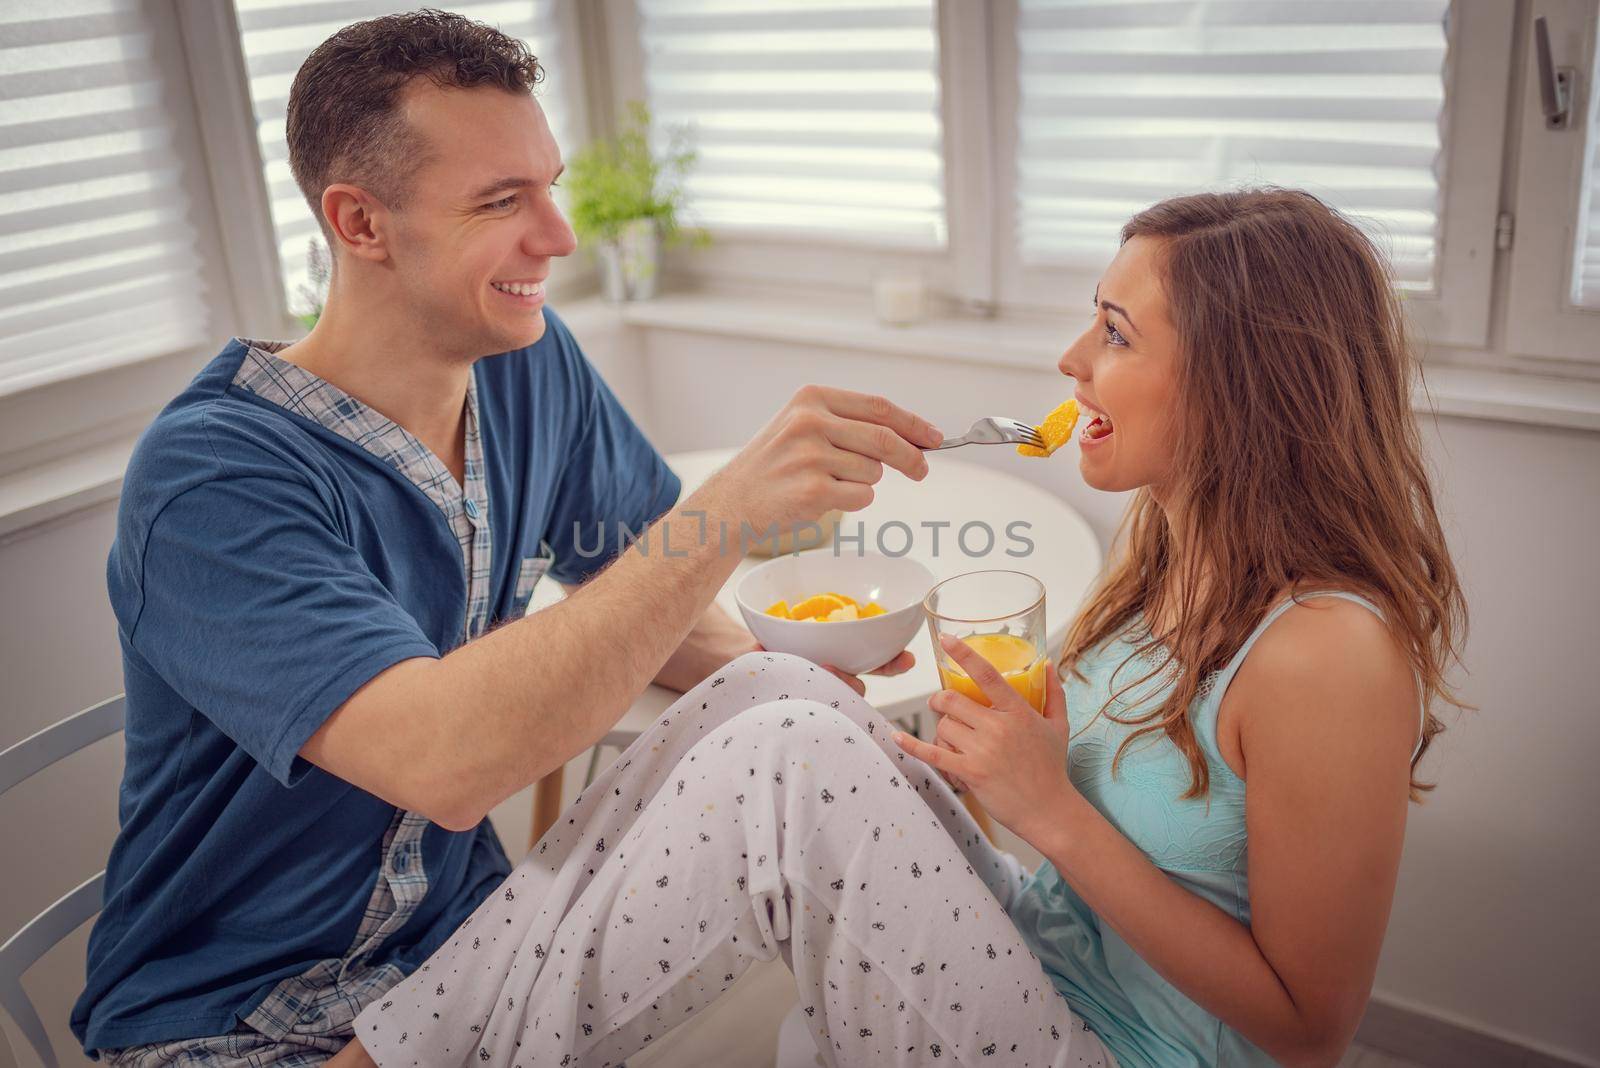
90, 476
83, 479
842, 323
1462, 392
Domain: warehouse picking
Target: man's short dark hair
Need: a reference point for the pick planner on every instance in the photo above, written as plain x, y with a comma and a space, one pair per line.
344, 120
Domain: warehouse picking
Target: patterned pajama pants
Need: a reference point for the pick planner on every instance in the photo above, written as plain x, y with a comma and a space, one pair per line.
765, 813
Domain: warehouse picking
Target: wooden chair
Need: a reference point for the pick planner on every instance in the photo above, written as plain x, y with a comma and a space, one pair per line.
547, 791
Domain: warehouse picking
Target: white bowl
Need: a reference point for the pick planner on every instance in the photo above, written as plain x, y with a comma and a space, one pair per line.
898, 583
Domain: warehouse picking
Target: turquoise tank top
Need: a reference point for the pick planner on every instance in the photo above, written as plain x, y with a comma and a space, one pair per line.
1144, 1020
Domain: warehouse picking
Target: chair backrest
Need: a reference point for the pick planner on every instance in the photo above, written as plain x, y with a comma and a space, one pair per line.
36, 937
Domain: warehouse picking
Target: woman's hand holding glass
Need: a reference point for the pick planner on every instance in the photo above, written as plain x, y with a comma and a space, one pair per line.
1012, 759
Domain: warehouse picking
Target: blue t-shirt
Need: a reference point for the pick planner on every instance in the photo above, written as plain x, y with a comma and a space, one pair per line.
266, 567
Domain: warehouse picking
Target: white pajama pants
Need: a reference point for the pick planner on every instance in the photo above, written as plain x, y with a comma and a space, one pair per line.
765, 813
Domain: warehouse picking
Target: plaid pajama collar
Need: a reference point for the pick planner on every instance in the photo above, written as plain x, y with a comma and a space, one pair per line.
466, 506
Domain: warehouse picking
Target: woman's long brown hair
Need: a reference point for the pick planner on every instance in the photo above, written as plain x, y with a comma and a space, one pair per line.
1298, 461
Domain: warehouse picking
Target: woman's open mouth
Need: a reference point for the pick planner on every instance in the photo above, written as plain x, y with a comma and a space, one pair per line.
1097, 430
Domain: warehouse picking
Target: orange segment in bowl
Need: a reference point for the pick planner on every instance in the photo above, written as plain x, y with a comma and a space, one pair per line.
826, 608
817, 607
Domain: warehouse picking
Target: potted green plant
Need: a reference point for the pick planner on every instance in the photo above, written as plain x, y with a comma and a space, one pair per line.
624, 203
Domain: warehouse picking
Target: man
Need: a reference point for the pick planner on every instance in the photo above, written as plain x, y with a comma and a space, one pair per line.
318, 543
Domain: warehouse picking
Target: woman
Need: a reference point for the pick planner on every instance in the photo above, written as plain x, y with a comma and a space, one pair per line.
1280, 612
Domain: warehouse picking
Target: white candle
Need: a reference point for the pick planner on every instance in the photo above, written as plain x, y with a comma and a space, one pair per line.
900, 299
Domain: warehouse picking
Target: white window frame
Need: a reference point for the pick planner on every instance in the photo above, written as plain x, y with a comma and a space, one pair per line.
1456, 310
580, 28
221, 91
1544, 330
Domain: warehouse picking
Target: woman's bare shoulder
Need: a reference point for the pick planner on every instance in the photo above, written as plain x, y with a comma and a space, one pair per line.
1326, 664
1324, 633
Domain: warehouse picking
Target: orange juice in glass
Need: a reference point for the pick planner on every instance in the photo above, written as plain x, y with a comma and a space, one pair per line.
1000, 616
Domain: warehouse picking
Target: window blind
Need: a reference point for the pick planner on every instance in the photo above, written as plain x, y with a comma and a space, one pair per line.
278, 35
814, 117
98, 262
1126, 103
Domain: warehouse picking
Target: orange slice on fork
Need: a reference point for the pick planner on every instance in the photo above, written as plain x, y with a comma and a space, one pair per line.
1056, 430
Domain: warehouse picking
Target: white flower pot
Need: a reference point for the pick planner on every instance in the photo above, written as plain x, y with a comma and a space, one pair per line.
630, 266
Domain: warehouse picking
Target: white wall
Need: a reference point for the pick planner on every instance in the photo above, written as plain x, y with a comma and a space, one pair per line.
1494, 924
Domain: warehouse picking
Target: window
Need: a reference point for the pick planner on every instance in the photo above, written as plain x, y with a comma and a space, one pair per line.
277, 35
813, 118
101, 252
1124, 105
1113, 107
1553, 309
994, 146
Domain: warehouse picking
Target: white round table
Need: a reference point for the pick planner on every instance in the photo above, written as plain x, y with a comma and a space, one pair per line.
924, 520
1065, 556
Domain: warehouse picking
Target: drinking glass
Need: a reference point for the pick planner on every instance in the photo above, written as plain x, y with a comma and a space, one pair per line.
1000, 615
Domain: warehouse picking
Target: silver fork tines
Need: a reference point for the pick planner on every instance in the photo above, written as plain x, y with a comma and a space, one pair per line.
994, 430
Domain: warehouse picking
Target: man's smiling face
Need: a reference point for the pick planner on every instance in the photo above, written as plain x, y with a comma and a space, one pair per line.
474, 243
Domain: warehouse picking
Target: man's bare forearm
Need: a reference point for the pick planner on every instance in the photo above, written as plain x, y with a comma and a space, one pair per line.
595, 652
453, 737
715, 639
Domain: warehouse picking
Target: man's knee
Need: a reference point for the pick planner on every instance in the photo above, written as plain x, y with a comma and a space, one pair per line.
780, 666
760, 679
744, 682
791, 722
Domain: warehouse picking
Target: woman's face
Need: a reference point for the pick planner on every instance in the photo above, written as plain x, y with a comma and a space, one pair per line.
1126, 366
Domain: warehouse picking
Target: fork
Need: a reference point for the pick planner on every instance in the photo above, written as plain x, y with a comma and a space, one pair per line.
994, 430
